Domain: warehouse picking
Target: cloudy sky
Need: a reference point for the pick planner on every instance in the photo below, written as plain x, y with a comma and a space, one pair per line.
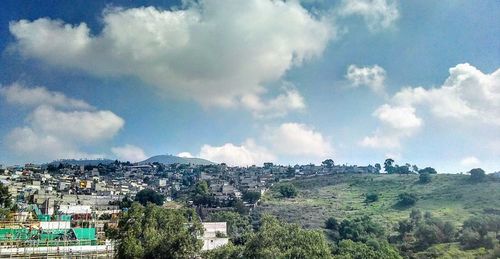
249, 81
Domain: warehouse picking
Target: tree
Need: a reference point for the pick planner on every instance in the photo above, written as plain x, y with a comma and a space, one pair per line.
276, 239
332, 224
378, 167
371, 197
388, 167
348, 249
238, 227
424, 178
147, 195
251, 197
288, 190
407, 199
477, 175
290, 172
156, 232
328, 163
5, 198
427, 170
126, 202
201, 188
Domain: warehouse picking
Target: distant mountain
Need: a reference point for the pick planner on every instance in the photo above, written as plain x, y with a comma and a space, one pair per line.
169, 159
82, 162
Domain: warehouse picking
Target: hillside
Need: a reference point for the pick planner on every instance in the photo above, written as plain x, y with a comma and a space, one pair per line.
451, 197
169, 159
79, 162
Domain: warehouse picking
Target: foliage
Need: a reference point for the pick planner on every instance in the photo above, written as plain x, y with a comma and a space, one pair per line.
407, 199
283, 240
288, 190
476, 231
251, 197
371, 197
424, 178
427, 170
228, 251
328, 163
238, 226
126, 202
348, 249
357, 229
5, 198
147, 195
477, 175
388, 167
156, 232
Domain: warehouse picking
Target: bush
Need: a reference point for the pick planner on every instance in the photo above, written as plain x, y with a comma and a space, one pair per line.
332, 223
251, 197
425, 178
147, 195
407, 199
477, 175
288, 190
371, 197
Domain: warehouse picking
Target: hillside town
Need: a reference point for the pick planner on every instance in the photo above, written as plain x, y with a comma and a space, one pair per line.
64, 196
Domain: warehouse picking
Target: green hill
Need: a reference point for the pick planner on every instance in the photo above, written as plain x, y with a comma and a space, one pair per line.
169, 159
450, 197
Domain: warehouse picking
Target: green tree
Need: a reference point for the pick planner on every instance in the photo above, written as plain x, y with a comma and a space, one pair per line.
147, 195
407, 199
477, 175
371, 197
276, 239
328, 163
288, 190
424, 178
238, 227
5, 198
348, 249
427, 170
251, 197
378, 167
156, 232
388, 166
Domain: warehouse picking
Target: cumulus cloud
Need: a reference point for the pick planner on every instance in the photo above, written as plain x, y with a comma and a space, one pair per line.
373, 77
378, 14
298, 140
129, 153
215, 52
35, 96
277, 107
288, 139
248, 153
467, 97
51, 133
470, 161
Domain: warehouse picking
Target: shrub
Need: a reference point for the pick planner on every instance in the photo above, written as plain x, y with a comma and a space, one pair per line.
477, 175
288, 190
424, 178
371, 197
407, 199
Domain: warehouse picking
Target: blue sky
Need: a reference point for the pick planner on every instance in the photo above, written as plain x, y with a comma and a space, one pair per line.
245, 82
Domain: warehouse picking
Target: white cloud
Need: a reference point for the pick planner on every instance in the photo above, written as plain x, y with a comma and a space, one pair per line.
288, 139
398, 117
467, 97
298, 140
215, 52
372, 77
51, 133
17, 93
129, 153
248, 153
277, 107
378, 14
470, 162
185, 154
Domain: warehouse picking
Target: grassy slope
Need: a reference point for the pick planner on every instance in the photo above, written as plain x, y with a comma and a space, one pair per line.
450, 197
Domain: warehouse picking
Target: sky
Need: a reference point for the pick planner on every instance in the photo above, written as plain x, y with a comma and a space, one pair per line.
252, 81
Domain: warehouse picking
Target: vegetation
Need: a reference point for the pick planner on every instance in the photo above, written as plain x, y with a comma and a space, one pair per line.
424, 178
288, 190
149, 196
238, 227
156, 232
477, 175
407, 199
5, 202
251, 197
371, 197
